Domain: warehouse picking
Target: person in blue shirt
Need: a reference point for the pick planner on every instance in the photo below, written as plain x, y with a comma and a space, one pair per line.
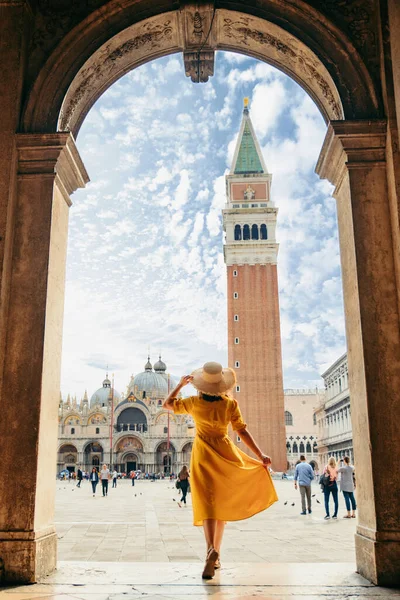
304, 474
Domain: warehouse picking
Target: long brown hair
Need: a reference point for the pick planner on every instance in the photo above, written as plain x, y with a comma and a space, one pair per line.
184, 473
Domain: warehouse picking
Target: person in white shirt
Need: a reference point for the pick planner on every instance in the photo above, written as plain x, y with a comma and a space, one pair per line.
114, 478
104, 476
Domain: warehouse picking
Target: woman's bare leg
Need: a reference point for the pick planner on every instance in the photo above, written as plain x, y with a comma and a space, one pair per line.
218, 535
209, 526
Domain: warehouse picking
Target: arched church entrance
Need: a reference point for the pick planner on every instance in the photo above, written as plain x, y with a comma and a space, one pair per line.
324, 48
165, 458
186, 454
93, 456
130, 462
67, 458
128, 454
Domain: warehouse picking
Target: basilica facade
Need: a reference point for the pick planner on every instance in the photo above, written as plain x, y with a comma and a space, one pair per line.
128, 431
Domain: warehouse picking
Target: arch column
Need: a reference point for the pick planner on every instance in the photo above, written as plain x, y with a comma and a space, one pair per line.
353, 158
48, 171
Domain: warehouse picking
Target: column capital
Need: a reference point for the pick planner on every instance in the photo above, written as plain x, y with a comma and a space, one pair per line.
52, 154
351, 145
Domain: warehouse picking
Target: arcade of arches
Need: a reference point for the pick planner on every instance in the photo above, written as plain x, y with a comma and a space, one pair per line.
57, 58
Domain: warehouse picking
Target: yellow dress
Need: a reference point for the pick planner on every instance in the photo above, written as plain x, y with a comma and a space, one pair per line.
226, 484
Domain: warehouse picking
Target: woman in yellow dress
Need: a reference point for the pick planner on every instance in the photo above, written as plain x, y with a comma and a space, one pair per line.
226, 484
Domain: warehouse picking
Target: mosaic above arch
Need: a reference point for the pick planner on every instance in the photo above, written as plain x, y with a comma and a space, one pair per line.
129, 444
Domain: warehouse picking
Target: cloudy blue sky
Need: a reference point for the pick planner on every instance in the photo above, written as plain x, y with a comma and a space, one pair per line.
145, 264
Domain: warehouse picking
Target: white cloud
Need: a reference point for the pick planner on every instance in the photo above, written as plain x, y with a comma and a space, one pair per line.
145, 262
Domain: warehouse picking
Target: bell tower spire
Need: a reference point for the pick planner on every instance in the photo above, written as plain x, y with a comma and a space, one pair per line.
251, 255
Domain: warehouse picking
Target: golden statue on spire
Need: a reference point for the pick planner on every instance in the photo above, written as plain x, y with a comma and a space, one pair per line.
246, 102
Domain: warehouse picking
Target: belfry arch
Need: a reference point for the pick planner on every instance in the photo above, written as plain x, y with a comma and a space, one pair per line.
46, 92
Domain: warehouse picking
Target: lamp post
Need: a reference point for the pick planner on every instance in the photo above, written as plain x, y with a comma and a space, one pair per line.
112, 423
168, 438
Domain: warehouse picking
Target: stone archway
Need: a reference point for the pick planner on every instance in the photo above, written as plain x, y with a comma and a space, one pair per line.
93, 456
353, 85
165, 458
67, 458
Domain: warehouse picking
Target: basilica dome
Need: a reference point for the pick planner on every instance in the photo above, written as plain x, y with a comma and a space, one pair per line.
101, 395
150, 384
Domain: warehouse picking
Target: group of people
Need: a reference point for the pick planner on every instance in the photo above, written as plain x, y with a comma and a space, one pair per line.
304, 475
104, 476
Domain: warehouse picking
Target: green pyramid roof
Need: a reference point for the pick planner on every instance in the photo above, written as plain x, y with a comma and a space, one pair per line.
248, 160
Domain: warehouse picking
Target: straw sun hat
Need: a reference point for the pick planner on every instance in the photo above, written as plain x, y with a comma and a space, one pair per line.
212, 379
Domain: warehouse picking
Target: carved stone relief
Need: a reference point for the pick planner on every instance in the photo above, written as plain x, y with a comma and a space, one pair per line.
359, 19
266, 39
154, 37
198, 40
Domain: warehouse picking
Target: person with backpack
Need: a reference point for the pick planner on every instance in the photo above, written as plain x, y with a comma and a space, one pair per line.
329, 485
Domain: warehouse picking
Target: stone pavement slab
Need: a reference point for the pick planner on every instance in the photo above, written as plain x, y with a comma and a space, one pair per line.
274, 581
145, 524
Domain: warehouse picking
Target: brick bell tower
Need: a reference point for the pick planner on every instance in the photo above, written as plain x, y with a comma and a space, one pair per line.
254, 337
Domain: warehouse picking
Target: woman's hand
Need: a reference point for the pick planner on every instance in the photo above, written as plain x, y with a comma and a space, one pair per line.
266, 461
185, 380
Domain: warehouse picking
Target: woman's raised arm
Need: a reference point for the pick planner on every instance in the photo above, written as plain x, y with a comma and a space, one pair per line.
169, 400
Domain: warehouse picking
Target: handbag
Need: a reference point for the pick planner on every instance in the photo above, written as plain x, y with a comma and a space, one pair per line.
325, 479
178, 484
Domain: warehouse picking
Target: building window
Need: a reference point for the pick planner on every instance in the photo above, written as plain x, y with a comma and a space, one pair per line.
288, 418
246, 232
254, 232
301, 448
235, 205
238, 232
308, 448
254, 206
236, 318
264, 232
238, 388
236, 340
263, 204
235, 295
295, 449
237, 364
238, 439
165, 429
288, 448
314, 419
72, 430
235, 273
245, 206
97, 429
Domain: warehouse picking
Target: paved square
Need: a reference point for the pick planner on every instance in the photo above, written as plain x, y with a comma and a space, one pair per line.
145, 524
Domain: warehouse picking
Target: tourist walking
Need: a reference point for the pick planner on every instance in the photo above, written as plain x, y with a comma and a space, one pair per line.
226, 484
104, 476
183, 478
132, 475
330, 475
79, 477
114, 478
94, 480
347, 486
304, 474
